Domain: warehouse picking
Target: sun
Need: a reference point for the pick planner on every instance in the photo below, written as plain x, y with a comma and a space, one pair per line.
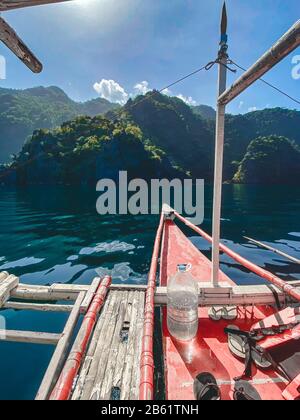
86, 3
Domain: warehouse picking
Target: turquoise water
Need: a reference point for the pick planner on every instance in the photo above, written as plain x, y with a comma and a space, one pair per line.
55, 235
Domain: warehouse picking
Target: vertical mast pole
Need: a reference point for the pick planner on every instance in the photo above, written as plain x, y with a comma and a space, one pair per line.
219, 151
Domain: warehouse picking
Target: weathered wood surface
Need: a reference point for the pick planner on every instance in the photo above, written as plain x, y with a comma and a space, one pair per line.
90, 294
7, 284
60, 353
9, 37
113, 357
20, 306
16, 4
29, 337
61, 292
236, 295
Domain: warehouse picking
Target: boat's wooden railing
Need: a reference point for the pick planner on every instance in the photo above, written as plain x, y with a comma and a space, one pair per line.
263, 295
81, 296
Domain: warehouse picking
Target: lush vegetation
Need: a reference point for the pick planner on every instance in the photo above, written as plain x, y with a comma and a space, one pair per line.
205, 111
156, 135
84, 150
23, 111
242, 129
172, 126
270, 160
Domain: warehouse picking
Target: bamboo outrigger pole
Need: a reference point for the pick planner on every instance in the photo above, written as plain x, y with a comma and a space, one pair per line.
219, 152
282, 48
276, 251
288, 43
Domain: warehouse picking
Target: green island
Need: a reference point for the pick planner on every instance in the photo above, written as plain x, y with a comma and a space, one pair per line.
154, 135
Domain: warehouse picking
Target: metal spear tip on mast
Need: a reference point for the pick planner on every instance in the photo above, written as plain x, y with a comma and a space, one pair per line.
224, 23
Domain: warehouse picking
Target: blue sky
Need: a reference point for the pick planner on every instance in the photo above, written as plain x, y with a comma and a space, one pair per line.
84, 42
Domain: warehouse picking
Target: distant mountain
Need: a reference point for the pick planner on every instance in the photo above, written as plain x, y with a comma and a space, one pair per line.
23, 111
205, 111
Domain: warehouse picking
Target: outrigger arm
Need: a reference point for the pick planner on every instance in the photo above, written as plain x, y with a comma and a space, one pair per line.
10, 38
288, 43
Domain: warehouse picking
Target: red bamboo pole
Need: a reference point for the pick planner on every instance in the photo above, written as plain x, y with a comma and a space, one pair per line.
290, 290
63, 388
147, 359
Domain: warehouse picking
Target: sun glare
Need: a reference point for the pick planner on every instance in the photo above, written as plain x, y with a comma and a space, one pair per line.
86, 3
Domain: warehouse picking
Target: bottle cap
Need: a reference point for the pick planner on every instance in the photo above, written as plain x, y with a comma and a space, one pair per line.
183, 268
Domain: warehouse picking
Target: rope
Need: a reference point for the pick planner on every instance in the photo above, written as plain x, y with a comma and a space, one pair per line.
146, 98
269, 84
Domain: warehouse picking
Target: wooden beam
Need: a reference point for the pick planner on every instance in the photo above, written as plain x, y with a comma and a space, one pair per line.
10, 38
20, 306
6, 286
17, 4
237, 295
90, 294
29, 337
63, 292
60, 354
3, 276
44, 293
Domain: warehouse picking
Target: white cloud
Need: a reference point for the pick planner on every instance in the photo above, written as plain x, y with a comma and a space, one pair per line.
252, 109
142, 88
112, 91
167, 92
241, 104
187, 99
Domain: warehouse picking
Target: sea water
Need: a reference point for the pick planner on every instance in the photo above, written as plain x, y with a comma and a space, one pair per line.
54, 234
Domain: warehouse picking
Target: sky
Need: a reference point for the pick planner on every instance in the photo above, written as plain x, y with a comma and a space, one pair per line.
119, 48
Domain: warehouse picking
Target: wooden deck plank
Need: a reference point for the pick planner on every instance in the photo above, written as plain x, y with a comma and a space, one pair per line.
126, 379
83, 373
101, 366
135, 376
106, 386
90, 378
112, 363
120, 365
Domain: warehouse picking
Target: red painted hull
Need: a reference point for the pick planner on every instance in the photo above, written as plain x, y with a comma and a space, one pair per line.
209, 351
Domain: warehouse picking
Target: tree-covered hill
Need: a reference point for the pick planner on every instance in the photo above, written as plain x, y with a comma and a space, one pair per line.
188, 138
179, 136
205, 111
23, 111
270, 160
84, 150
242, 129
172, 125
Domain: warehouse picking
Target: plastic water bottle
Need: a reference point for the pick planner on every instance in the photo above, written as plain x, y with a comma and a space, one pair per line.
182, 306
